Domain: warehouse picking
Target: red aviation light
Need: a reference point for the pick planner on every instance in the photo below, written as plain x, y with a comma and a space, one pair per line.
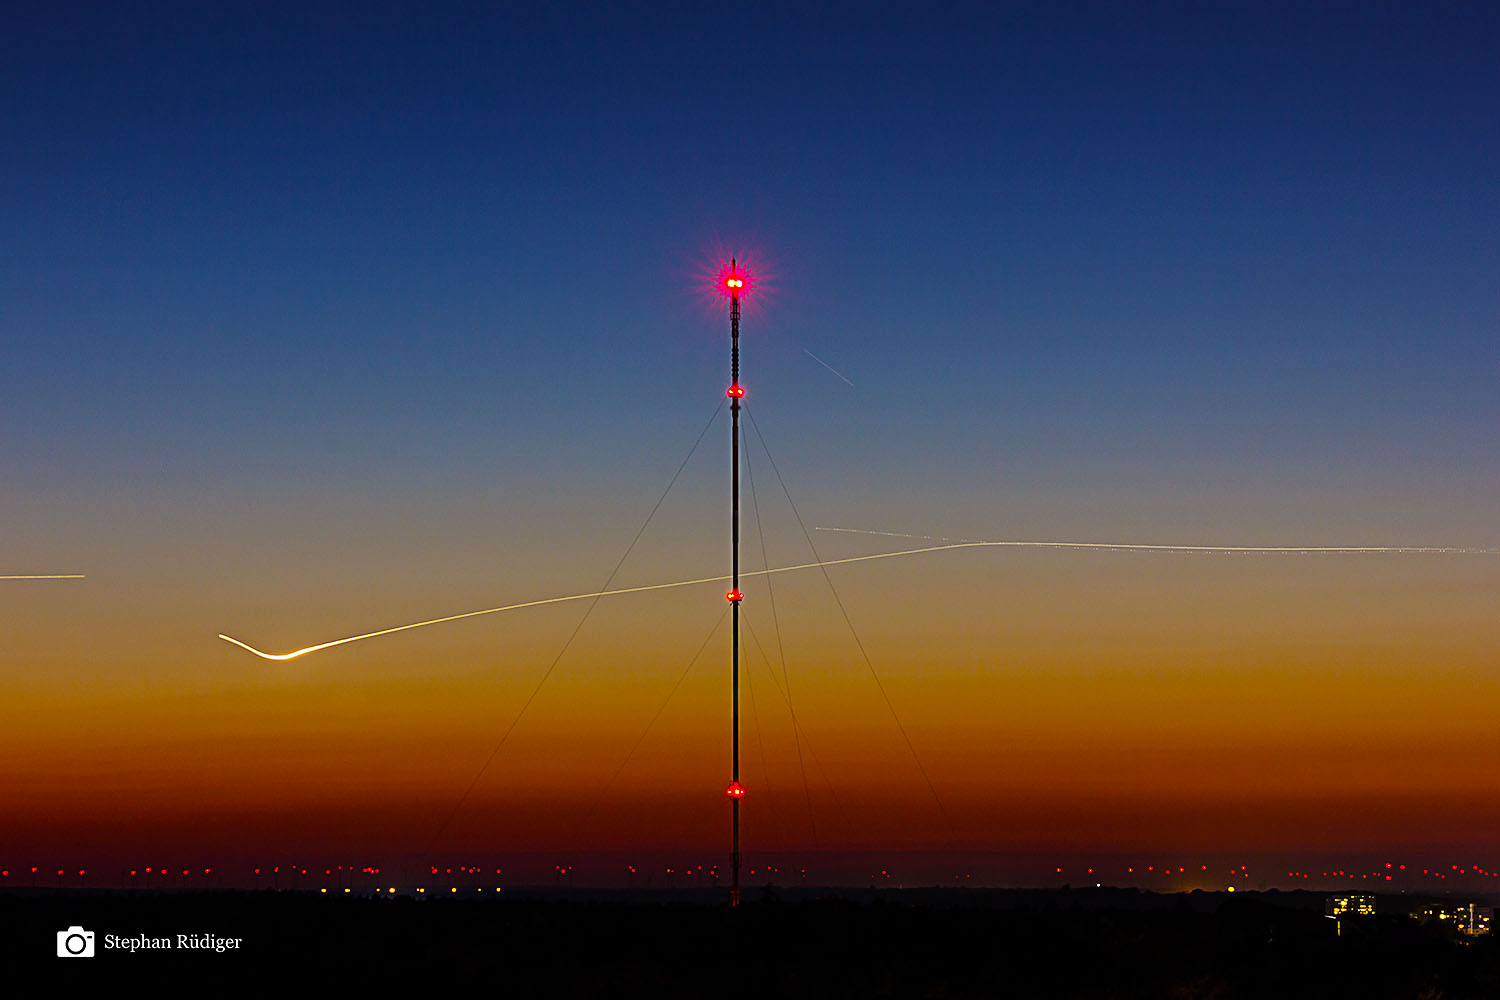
734, 279
735, 391
734, 596
735, 790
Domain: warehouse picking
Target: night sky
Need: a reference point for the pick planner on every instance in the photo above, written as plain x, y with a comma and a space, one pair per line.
316, 319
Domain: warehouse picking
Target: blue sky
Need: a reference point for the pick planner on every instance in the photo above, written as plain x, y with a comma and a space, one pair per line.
1177, 270
235, 224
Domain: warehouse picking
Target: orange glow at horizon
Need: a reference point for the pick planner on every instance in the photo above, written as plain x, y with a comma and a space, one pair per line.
1060, 699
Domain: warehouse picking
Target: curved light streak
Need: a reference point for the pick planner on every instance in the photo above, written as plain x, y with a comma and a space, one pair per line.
570, 597
43, 576
947, 545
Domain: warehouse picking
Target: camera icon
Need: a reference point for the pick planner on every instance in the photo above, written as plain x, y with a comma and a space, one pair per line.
75, 942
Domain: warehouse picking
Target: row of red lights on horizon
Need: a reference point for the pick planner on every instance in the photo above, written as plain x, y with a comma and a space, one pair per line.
368, 870
5, 872
1387, 874
1430, 873
275, 870
714, 870
1167, 870
1391, 869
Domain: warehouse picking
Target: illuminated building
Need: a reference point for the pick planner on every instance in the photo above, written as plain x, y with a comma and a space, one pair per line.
1350, 906
1466, 918
1342, 907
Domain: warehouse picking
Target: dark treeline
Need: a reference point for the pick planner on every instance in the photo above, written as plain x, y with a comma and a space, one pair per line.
899, 944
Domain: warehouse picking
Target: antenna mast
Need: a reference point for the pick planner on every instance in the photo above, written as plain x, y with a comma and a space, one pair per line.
735, 283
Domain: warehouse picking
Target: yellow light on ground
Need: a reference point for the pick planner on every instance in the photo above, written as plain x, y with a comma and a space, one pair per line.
393, 889
1231, 888
322, 890
346, 890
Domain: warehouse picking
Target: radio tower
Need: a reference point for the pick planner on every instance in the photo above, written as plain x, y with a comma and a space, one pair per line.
734, 283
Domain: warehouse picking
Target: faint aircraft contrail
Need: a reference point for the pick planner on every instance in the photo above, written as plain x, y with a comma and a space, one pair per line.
948, 545
827, 365
42, 576
1136, 546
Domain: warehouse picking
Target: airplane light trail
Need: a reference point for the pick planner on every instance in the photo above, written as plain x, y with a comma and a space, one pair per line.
43, 576
827, 365
947, 546
1227, 549
559, 600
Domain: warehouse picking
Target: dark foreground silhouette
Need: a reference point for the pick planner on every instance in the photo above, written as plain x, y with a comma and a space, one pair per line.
828, 943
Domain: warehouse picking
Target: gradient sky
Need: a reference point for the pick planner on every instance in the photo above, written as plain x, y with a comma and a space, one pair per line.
316, 321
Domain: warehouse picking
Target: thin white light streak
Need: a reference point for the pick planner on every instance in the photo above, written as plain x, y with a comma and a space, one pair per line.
468, 614
827, 365
43, 576
560, 600
948, 545
1138, 547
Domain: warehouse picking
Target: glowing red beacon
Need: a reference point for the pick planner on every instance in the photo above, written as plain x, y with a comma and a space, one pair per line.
734, 281
735, 790
733, 595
